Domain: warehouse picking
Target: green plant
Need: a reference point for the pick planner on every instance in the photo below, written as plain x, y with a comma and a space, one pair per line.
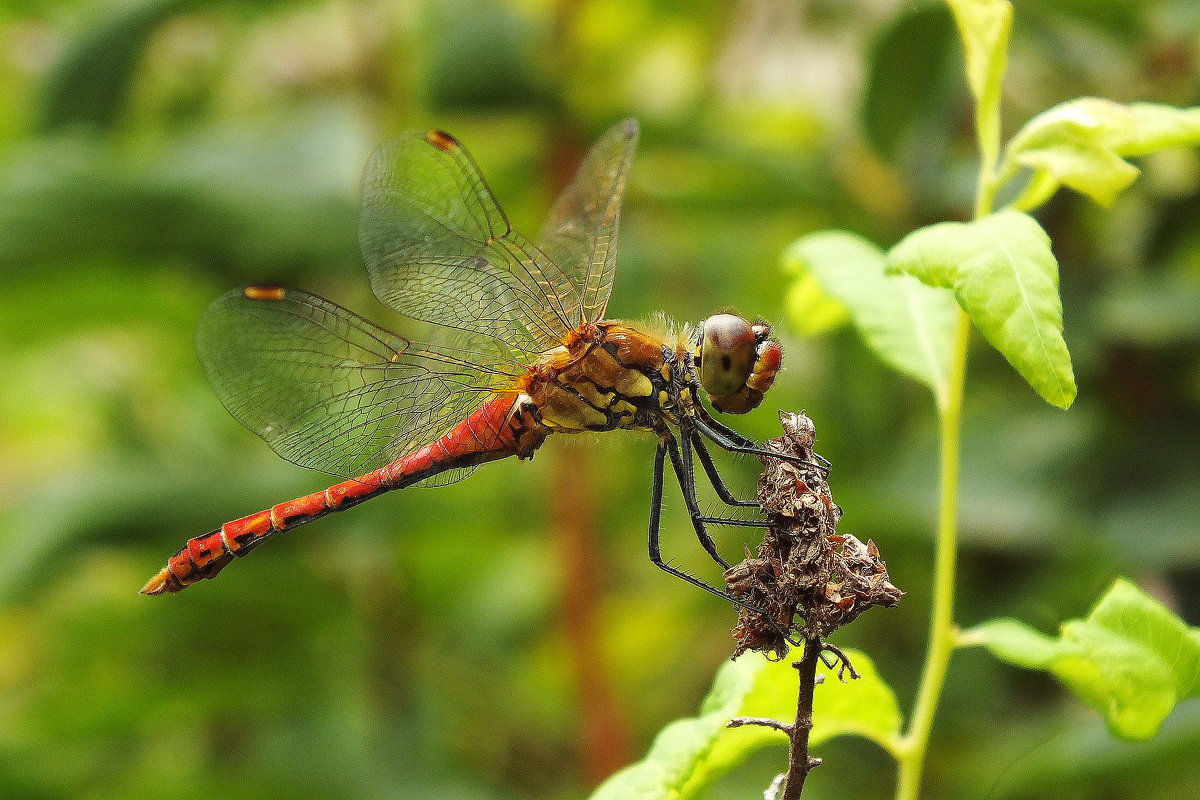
915, 306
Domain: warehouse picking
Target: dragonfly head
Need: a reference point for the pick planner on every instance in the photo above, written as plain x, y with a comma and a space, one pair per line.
737, 361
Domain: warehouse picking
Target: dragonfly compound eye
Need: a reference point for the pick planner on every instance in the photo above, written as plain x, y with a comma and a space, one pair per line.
727, 352
737, 362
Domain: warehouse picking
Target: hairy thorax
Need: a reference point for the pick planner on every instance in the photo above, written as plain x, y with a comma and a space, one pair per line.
608, 375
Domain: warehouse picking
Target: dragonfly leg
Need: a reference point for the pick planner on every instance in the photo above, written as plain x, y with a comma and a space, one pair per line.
718, 484
656, 493
743, 441
681, 460
723, 429
714, 476
712, 429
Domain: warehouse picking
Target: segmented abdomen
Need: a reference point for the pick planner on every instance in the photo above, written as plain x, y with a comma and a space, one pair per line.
493, 431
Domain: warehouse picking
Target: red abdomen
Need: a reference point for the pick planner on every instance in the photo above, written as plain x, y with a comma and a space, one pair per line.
493, 431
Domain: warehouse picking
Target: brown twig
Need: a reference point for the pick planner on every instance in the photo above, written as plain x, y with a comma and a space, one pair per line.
844, 664
800, 763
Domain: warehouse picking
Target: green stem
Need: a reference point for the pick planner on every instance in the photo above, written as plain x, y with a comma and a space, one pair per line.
910, 749
985, 195
984, 30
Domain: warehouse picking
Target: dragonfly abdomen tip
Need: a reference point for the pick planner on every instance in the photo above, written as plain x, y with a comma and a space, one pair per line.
164, 581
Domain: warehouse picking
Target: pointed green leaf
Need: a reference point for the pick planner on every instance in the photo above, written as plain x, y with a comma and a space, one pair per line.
909, 325
1131, 659
1083, 143
1006, 278
1071, 155
690, 753
984, 26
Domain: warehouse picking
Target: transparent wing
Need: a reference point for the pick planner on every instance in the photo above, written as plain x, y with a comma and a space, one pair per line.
580, 235
439, 249
329, 390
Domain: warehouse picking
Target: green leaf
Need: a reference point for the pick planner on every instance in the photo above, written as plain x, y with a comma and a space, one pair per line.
1083, 143
984, 26
909, 325
690, 753
1131, 659
1006, 278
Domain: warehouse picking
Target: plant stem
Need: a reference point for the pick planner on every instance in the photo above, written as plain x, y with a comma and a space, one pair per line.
985, 196
800, 763
910, 750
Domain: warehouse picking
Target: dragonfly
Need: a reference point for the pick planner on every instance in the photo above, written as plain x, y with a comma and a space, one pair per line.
520, 350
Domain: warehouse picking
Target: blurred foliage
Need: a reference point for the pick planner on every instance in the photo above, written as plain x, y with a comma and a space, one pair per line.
156, 153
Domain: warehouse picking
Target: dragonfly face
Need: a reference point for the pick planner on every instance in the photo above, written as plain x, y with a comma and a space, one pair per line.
520, 350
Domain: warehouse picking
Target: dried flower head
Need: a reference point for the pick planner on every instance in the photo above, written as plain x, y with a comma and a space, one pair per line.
808, 578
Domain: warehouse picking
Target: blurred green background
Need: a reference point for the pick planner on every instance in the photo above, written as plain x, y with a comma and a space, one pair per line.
506, 637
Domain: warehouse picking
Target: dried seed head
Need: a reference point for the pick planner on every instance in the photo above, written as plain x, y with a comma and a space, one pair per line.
809, 579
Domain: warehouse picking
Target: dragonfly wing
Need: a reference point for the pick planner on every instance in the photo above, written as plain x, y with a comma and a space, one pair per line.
580, 235
329, 390
439, 249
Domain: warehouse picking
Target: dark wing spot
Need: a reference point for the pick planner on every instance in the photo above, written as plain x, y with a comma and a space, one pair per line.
441, 140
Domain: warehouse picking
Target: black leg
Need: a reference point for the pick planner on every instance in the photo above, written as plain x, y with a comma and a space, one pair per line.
726, 431
736, 445
722, 490
714, 476
743, 441
717, 437
656, 492
684, 471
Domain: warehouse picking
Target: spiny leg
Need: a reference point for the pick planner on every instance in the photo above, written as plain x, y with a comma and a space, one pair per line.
656, 492
714, 476
684, 471
726, 431
729, 439
740, 444
722, 490
717, 437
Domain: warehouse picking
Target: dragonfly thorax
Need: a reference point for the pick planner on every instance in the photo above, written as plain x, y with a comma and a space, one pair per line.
608, 375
